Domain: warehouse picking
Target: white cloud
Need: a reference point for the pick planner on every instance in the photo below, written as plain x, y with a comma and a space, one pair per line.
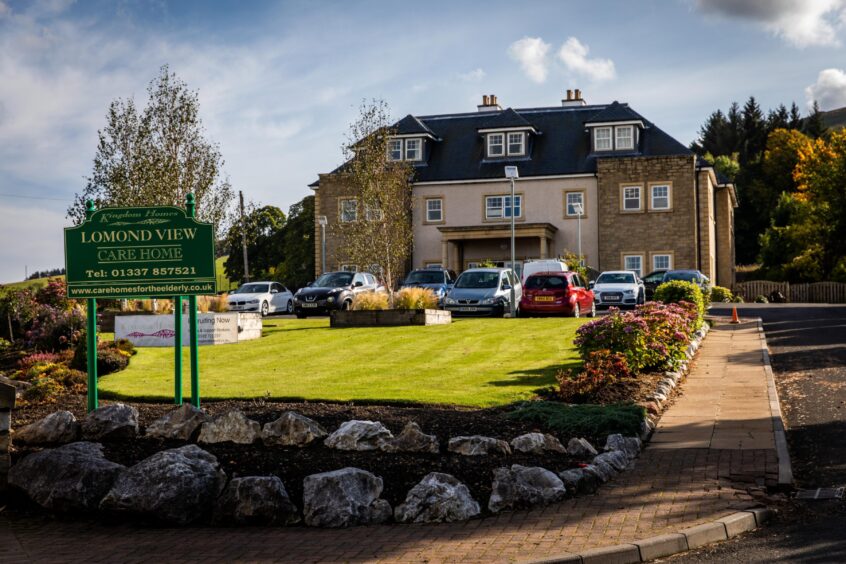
802, 23
531, 52
574, 55
829, 90
474, 75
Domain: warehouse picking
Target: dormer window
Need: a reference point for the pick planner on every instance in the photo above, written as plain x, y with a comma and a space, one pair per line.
602, 139
405, 149
506, 143
496, 145
624, 137
517, 143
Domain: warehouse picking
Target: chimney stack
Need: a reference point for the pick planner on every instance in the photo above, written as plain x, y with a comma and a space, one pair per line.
574, 99
489, 103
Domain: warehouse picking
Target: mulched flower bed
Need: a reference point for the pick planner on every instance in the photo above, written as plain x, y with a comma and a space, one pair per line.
399, 471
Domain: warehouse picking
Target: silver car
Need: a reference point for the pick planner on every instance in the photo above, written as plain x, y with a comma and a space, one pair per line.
484, 292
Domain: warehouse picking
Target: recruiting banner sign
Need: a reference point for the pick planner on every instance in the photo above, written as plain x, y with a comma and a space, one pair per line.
150, 252
212, 328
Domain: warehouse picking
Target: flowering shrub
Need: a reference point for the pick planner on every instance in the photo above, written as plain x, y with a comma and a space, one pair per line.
54, 329
112, 356
43, 390
617, 332
680, 291
601, 368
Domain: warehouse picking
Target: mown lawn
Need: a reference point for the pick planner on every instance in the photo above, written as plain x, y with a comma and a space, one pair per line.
474, 362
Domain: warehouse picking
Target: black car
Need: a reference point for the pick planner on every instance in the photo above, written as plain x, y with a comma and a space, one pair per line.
652, 281
332, 291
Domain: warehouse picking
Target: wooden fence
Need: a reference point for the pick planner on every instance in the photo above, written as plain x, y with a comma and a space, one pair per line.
816, 293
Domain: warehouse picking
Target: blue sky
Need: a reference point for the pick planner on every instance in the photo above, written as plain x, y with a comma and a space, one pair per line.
279, 82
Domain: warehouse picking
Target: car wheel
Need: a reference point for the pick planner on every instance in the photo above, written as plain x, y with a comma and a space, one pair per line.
290, 308
346, 306
265, 309
592, 309
576, 312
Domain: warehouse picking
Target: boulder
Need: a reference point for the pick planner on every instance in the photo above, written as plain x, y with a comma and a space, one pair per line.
630, 446
256, 500
437, 498
579, 482
232, 426
344, 498
524, 486
291, 429
412, 439
537, 443
72, 477
179, 424
359, 435
115, 421
601, 469
615, 458
56, 428
477, 445
581, 448
176, 486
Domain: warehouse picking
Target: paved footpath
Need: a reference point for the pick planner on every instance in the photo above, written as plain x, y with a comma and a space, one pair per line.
710, 445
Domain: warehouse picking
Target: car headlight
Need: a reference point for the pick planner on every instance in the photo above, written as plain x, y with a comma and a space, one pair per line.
489, 301
629, 292
253, 302
330, 299
450, 301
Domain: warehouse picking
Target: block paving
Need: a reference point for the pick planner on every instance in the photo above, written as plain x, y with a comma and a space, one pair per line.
709, 447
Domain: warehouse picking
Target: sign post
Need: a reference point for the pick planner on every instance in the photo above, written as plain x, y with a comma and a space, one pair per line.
154, 252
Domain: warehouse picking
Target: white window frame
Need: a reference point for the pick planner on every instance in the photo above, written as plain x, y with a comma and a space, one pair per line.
638, 270
429, 210
625, 198
521, 136
395, 146
343, 214
609, 139
501, 144
669, 258
505, 204
418, 150
619, 129
652, 188
567, 203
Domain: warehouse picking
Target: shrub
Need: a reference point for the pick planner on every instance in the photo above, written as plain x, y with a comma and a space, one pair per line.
678, 291
43, 390
720, 294
370, 301
592, 421
761, 300
415, 298
601, 368
616, 332
111, 356
54, 329
738, 299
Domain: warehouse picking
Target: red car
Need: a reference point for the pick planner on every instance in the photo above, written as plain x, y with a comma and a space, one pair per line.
557, 293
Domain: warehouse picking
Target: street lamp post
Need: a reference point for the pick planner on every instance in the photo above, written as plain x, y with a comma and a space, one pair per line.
512, 174
322, 221
580, 210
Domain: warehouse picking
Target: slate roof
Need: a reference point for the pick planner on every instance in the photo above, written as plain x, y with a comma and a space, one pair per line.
410, 125
560, 146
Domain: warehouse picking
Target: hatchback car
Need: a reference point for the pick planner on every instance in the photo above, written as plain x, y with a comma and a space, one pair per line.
439, 280
557, 293
618, 288
483, 291
264, 297
332, 291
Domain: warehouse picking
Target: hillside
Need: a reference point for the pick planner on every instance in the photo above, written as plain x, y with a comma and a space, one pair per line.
835, 119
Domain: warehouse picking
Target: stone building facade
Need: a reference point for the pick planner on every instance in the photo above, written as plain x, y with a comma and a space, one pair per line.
645, 201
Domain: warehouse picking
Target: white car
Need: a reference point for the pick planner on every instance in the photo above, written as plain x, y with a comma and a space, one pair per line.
544, 265
618, 288
264, 297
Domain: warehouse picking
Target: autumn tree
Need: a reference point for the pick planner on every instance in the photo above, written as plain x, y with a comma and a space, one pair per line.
381, 237
157, 156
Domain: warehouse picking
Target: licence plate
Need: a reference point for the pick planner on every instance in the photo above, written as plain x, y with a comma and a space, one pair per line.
468, 309
611, 298
309, 305
544, 299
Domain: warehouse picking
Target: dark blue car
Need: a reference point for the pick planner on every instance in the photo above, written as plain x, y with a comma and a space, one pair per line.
437, 279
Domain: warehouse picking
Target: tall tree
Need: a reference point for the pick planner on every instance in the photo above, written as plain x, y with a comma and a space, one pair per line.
262, 227
381, 238
157, 156
297, 242
814, 125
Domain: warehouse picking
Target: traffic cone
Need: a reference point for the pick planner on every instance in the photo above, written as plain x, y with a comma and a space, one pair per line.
734, 318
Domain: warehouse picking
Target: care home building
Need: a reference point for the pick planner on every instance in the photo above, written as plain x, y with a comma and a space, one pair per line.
646, 201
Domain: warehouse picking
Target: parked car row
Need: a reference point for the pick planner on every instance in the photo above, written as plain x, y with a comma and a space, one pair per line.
547, 287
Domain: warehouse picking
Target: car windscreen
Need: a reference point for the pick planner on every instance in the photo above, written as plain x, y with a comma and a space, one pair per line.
615, 278
546, 282
333, 280
425, 277
686, 276
478, 280
252, 289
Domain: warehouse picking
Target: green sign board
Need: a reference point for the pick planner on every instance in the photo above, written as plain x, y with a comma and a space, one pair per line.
152, 252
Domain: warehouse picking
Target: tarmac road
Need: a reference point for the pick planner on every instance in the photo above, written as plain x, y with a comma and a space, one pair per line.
808, 348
